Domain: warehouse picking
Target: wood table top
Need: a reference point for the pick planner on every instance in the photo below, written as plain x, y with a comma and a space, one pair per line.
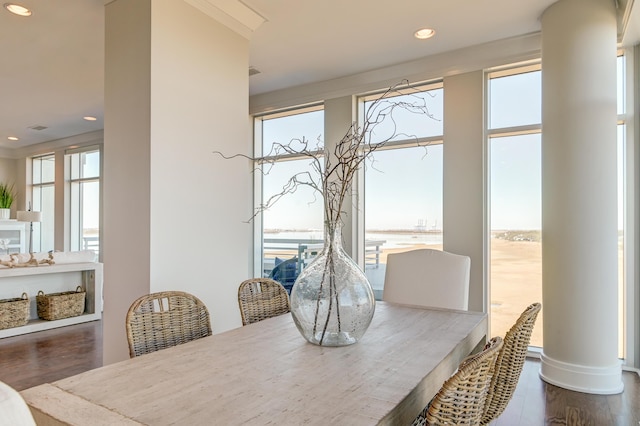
266, 373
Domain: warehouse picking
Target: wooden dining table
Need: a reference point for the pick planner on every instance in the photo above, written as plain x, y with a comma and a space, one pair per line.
267, 374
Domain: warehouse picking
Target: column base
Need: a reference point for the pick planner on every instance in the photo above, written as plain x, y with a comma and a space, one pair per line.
580, 378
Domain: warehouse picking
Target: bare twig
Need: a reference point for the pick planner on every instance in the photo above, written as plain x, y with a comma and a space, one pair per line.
333, 172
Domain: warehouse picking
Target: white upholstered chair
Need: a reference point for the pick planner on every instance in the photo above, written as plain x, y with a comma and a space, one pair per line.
13, 410
428, 277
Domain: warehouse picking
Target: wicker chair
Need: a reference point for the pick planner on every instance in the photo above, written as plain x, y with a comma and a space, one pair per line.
461, 398
262, 298
160, 320
509, 363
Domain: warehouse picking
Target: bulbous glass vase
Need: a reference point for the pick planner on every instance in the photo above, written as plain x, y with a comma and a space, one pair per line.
332, 302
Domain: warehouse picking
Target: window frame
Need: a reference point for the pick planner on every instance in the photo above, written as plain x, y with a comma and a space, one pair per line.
411, 142
259, 157
69, 182
40, 185
495, 133
630, 333
631, 287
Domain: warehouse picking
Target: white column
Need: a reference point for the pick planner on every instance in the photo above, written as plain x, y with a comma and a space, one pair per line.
579, 220
338, 117
176, 90
464, 221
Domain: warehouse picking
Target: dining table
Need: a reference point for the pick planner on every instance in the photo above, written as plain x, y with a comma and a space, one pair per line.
266, 373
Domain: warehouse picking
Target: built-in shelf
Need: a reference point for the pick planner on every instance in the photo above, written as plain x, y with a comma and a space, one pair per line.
52, 279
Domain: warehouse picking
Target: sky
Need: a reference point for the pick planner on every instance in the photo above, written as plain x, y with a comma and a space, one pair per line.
410, 177
403, 188
91, 194
515, 161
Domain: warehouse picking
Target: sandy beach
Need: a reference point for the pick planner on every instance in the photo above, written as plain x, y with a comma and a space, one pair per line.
516, 282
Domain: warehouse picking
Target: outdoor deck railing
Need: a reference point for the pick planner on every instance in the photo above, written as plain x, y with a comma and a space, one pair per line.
307, 249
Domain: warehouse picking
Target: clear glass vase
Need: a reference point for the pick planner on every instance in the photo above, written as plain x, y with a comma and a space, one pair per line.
332, 301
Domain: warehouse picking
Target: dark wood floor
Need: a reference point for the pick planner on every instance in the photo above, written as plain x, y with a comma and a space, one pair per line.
47, 356
538, 403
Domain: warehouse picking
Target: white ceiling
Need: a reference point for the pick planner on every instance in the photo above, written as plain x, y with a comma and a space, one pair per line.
52, 62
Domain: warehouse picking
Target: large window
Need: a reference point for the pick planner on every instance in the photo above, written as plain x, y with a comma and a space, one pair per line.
515, 196
43, 196
515, 184
84, 199
291, 228
622, 185
403, 183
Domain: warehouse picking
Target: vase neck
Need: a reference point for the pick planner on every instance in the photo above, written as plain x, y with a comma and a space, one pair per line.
333, 234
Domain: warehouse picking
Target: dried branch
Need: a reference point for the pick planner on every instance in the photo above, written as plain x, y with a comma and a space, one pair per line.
336, 169
332, 175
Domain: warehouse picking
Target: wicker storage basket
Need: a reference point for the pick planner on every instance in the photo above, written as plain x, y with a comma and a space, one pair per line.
56, 306
14, 312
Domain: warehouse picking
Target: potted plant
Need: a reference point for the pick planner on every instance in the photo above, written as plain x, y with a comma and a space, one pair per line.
7, 195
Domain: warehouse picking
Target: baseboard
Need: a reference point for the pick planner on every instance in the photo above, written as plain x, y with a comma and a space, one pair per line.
580, 378
631, 369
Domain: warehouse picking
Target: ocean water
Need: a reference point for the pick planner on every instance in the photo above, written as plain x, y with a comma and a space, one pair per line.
375, 271
401, 240
391, 240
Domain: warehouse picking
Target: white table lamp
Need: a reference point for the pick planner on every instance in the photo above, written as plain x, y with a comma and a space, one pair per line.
30, 216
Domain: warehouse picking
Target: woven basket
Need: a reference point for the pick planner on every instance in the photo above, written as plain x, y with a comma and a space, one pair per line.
56, 306
14, 312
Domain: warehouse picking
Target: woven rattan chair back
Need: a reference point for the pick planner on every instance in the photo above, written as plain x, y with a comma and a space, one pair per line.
461, 399
160, 320
262, 298
509, 363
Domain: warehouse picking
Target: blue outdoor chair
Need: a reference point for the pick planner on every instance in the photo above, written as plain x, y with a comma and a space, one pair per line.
285, 272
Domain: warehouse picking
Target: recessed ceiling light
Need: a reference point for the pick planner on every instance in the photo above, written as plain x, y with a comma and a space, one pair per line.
424, 33
12, 138
17, 9
89, 118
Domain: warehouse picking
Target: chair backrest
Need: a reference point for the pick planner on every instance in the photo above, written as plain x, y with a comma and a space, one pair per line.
262, 298
462, 397
14, 410
160, 320
429, 278
509, 363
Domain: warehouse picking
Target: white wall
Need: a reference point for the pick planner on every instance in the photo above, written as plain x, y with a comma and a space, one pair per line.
8, 175
126, 181
474, 58
199, 201
464, 219
339, 114
176, 89
7, 170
